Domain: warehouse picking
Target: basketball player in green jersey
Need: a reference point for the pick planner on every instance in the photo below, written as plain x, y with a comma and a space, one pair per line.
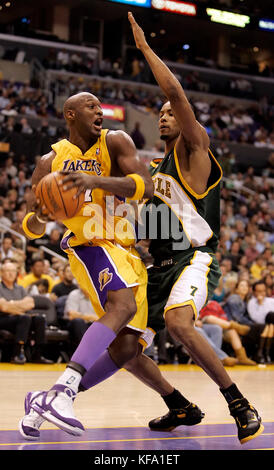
186, 272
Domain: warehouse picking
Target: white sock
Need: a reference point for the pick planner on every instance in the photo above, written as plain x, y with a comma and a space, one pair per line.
70, 378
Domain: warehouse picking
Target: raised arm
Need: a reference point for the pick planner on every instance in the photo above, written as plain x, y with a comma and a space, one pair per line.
172, 89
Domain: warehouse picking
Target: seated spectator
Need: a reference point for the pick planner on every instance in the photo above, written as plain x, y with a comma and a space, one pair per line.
41, 288
138, 137
257, 268
269, 283
168, 346
78, 314
59, 277
12, 319
235, 308
67, 285
16, 307
219, 293
7, 249
3, 219
53, 243
10, 168
213, 313
261, 310
251, 251
214, 335
235, 254
37, 269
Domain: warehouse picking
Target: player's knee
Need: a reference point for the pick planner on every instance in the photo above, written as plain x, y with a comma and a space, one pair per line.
121, 305
125, 311
179, 324
124, 351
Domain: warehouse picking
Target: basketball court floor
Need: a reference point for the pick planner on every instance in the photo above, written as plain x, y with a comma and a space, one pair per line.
115, 413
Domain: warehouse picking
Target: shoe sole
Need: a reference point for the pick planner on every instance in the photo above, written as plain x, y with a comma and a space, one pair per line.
164, 429
257, 433
60, 424
174, 427
26, 436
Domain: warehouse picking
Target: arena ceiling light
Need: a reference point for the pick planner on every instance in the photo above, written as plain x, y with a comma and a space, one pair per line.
175, 6
137, 3
227, 17
266, 24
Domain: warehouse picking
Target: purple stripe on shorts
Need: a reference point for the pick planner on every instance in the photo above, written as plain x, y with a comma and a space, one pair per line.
64, 242
100, 270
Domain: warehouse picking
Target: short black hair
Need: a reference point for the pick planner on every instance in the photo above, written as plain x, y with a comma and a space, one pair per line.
35, 260
43, 282
257, 283
7, 235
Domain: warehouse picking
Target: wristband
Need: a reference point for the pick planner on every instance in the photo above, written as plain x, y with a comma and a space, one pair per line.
27, 231
140, 186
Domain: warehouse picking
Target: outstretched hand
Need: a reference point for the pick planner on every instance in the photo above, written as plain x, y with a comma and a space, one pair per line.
138, 33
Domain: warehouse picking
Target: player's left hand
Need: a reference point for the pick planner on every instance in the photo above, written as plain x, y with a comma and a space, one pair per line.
79, 180
138, 33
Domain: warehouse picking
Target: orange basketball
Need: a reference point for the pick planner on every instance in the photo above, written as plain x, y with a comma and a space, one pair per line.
58, 202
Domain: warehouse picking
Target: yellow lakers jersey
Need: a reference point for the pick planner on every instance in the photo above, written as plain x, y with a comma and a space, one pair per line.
93, 221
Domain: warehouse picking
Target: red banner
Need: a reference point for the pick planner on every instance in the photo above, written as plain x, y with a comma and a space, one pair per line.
111, 111
175, 6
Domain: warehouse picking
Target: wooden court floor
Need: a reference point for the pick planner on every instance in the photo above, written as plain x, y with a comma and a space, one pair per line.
115, 413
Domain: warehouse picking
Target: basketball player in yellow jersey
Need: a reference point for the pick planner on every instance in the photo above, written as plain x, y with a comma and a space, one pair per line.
99, 162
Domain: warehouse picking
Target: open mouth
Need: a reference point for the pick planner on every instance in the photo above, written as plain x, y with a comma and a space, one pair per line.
98, 123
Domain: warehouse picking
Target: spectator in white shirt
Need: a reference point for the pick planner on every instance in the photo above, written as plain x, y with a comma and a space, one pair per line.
78, 314
261, 310
4, 220
7, 249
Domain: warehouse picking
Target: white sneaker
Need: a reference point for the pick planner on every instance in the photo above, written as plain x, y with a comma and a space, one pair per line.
32, 421
56, 406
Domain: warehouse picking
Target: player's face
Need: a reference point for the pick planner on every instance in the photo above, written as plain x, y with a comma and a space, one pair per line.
89, 116
167, 123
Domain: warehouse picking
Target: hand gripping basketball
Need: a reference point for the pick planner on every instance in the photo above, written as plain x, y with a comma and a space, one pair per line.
60, 203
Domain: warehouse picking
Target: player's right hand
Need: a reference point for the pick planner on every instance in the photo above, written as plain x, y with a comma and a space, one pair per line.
138, 33
41, 212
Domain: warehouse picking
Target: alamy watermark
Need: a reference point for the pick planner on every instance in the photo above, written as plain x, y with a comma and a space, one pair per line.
124, 221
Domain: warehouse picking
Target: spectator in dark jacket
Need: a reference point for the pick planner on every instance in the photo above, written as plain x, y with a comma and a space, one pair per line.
15, 295
236, 310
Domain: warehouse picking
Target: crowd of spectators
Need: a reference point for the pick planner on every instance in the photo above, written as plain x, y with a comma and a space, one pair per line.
20, 102
133, 67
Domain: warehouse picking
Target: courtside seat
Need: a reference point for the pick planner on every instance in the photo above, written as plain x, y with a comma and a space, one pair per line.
56, 337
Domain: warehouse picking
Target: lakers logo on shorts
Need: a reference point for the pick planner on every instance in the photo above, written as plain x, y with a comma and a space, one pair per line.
104, 278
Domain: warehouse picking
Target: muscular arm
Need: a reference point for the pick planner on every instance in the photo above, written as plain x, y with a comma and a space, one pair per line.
193, 136
124, 161
43, 168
